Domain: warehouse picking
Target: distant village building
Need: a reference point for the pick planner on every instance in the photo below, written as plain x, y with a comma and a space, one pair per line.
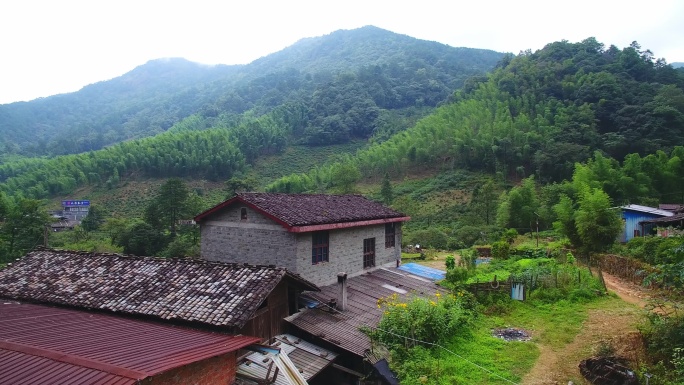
314, 235
75, 209
70, 216
635, 219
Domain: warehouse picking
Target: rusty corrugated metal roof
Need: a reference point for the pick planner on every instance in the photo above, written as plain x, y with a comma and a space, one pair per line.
47, 345
363, 293
310, 209
214, 293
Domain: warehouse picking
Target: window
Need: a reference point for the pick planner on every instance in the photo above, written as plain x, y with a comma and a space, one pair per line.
390, 233
368, 253
243, 213
319, 247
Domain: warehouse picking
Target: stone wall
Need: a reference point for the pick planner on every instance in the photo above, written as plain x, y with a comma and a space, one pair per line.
345, 253
258, 240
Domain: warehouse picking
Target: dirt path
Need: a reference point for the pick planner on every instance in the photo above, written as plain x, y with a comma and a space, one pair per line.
614, 327
627, 291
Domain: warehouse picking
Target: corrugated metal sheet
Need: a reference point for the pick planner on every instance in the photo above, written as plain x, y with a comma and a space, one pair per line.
309, 359
215, 293
47, 345
648, 210
363, 293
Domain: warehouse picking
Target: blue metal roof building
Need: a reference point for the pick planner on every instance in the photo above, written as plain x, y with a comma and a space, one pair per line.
633, 214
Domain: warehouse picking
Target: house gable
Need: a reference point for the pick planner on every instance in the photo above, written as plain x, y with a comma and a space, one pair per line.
278, 229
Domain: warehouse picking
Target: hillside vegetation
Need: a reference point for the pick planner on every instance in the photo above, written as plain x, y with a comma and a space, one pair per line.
538, 114
382, 81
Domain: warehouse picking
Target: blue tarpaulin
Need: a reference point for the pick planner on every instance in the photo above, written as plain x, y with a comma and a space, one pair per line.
423, 271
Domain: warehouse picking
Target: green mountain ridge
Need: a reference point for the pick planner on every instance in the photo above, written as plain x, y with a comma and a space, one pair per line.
153, 97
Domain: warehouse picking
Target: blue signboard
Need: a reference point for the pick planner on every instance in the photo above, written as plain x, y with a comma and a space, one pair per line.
423, 271
75, 203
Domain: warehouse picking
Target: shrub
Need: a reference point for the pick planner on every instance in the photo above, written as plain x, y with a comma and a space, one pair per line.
547, 294
664, 338
457, 275
433, 238
467, 259
433, 319
450, 262
467, 235
495, 303
501, 250
510, 235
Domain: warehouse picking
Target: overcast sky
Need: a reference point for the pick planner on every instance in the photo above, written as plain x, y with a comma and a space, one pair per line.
49, 47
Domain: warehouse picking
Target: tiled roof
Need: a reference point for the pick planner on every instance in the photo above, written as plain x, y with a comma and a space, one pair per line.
46, 345
674, 207
671, 219
311, 209
214, 293
363, 291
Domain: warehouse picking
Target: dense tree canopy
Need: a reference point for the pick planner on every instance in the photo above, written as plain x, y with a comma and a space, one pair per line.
540, 113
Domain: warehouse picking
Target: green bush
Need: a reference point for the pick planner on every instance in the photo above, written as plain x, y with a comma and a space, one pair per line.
656, 250
450, 262
510, 235
501, 250
457, 275
467, 235
664, 339
432, 238
548, 294
495, 303
434, 319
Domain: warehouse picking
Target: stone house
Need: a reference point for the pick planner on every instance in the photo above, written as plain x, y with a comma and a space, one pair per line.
315, 236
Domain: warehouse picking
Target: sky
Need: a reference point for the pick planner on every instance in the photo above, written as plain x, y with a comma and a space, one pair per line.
49, 47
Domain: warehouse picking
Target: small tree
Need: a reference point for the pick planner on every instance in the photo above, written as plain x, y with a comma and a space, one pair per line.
94, 219
23, 227
590, 224
597, 225
169, 206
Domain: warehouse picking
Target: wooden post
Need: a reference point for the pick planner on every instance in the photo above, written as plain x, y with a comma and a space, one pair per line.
600, 274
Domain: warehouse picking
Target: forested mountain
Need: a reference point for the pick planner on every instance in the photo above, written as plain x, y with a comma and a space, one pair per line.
143, 102
536, 114
342, 85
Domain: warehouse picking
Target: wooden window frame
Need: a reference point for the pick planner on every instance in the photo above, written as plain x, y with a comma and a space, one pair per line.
243, 213
390, 235
320, 247
368, 253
